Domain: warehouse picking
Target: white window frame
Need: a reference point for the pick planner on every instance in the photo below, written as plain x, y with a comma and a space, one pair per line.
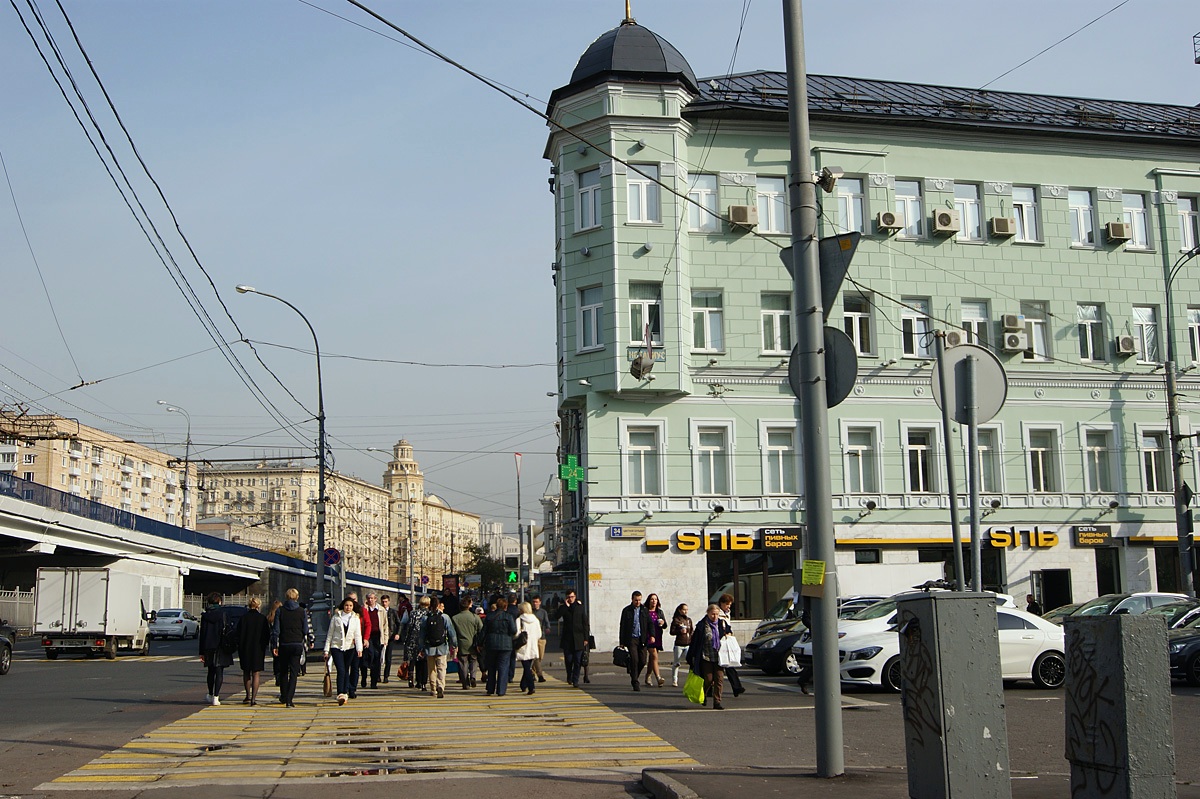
774, 321
644, 205
976, 322
1037, 328
774, 458
911, 208
851, 205
994, 454
1025, 213
702, 210
1162, 455
708, 324
854, 463
859, 325
587, 201
1083, 217
1193, 332
659, 426
916, 336
1090, 331
774, 215
1189, 223
1145, 330
646, 306
1133, 212
698, 426
1106, 462
925, 457
590, 321
970, 212
1053, 459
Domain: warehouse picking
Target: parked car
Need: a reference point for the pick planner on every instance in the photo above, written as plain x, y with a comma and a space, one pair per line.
174, 623
772, 651
1061, 612
1178, 614
1133, 604
1183, 648
848, 606
8, 637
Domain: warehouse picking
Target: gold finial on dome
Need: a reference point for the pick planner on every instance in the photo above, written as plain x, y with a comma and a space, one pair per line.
629, 20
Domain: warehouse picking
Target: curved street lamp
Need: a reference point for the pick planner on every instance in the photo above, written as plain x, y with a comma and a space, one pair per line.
1183, 494
321, 498
187, 454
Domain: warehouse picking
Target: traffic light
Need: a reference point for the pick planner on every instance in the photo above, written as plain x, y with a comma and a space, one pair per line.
511, 577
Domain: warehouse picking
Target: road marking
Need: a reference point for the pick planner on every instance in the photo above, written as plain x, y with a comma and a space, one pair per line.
269, 744
27, 658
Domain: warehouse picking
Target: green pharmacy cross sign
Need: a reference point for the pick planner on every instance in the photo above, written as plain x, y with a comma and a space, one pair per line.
572, 472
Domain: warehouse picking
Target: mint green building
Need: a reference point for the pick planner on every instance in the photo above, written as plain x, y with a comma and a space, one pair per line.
1041, 228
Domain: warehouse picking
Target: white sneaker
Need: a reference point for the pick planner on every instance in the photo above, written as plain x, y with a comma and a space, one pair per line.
216, 700
341, 699
208, 699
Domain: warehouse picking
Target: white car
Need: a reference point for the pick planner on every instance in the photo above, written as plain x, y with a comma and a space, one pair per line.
174, 623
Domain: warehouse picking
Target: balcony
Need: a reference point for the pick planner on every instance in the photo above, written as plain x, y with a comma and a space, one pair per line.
146, 489
127, 467
76, 490
127, 485
75, 454
75, 471
146, 474
97, 460
97, 489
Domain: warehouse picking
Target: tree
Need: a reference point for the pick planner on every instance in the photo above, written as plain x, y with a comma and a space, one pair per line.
491, 570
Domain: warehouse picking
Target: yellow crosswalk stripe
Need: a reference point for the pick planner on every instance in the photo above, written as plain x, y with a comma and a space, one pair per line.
383, 733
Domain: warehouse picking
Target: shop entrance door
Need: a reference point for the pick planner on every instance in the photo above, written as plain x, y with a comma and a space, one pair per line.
1166, 568
1052, 587
1108, 570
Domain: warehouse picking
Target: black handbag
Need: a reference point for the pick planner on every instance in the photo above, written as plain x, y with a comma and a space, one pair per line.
621, 657
520, 639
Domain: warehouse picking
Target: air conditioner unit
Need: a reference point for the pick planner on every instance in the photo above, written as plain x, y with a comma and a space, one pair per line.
1127, 345
955, 338
1003, 226
1016, 342
945, 222
743, 215
1013, 321
889, 220
1117, 231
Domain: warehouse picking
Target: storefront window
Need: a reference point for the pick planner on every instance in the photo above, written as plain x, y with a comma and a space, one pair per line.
757, 580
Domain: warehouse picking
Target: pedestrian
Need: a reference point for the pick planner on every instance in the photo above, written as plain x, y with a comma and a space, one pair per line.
634, 634
573, 636
375, 636
393, 634
254, 636
415, 623
544, 620
527, 652
291, 636
498, 631
704, 654
724, 604
467, 626
654, 643
682, 628
276, 663
1032, 605
215, 657
345, 644
439, 642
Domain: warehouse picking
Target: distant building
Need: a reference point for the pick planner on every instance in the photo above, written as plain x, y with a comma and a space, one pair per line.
491, 536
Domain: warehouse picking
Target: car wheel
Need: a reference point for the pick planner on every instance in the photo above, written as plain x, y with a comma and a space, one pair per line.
1191, 670
145, 647
791, 665
148, 636
890, 678
1049, 670
5, 659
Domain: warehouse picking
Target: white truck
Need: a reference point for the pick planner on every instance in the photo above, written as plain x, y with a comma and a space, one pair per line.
92, 611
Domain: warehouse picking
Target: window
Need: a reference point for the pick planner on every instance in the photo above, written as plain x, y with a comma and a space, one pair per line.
710, 450
1081, 211
988, 459
1193, 326
27, 476
868, 556
28, 457
910, 208
590, 307
645, 305
1189, 223
643, 460
1097, 449
1091, 332
1036, 326
702, 210
1043, 454
773, 206
780, 456
1024, 201
919, 458
975, 322
970, 217
851, 205
1154, 461
777, 323
707, 334
587, 211
915, 328
856, 322
642, 182
1134, 215
861, 454
1145, 331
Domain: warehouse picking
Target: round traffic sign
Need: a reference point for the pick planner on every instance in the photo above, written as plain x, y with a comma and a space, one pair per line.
424, 580
332, 557
991, 383
841, 366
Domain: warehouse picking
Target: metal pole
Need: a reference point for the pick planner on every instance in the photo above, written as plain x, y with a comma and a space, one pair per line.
812, 410
1182, 519
939, 348
412, 587
187, 454
520, 532
972, 405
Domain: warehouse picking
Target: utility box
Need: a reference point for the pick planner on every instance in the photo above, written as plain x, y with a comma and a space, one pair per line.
1119, 731
956, 737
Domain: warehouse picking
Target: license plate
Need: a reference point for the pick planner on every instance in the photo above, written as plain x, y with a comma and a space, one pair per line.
74, 643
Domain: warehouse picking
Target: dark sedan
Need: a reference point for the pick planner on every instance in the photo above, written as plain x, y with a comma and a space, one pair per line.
1183, 645
8, 637
772, 651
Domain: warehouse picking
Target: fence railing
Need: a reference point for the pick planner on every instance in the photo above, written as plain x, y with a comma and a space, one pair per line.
16, 607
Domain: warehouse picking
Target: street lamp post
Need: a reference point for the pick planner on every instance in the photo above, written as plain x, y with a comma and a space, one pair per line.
321, 498
187, 454
1182, 493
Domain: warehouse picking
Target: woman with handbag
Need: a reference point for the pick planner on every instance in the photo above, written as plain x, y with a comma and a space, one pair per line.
345, 644
724, 604
529, 632
654, 642
704, 654
254, 636
213, 654
682, 628
499, 629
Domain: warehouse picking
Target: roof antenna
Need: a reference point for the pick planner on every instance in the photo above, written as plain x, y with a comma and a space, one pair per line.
629, 20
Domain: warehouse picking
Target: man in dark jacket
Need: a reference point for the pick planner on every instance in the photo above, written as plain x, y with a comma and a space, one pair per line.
393, 637
635, 632
291, 636
575, 634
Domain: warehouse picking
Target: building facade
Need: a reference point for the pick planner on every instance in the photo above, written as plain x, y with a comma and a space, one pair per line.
1042, 229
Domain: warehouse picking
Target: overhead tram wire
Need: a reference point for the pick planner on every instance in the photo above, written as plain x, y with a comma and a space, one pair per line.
407, 363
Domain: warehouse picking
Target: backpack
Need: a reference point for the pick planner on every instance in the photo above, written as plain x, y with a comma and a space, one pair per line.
435, 631
229, 635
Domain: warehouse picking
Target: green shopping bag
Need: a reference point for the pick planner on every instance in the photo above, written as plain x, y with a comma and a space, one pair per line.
693, 689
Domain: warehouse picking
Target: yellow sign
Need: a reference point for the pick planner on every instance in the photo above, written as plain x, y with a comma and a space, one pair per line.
595, 577
1012, 537
812, 572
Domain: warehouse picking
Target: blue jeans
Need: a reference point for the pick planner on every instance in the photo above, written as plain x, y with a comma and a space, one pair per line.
528, 682
499, 671
574, 661
345, 661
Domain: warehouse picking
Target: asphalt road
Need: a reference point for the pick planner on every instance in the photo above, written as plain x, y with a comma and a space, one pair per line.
62, 715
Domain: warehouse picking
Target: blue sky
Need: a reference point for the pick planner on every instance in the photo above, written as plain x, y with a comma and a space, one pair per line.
400, 204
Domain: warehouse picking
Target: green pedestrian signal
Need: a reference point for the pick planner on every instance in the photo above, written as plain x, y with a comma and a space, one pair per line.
572, 473
512, 577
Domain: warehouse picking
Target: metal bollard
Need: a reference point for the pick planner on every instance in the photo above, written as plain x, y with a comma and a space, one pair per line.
956, 735
1119, 732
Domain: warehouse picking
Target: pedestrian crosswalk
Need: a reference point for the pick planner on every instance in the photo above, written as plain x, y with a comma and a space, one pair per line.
383, 733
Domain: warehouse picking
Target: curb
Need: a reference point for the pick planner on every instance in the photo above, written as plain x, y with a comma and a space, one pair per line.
663, 786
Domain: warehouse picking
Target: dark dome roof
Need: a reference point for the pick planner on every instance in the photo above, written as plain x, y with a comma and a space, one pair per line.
631, 52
